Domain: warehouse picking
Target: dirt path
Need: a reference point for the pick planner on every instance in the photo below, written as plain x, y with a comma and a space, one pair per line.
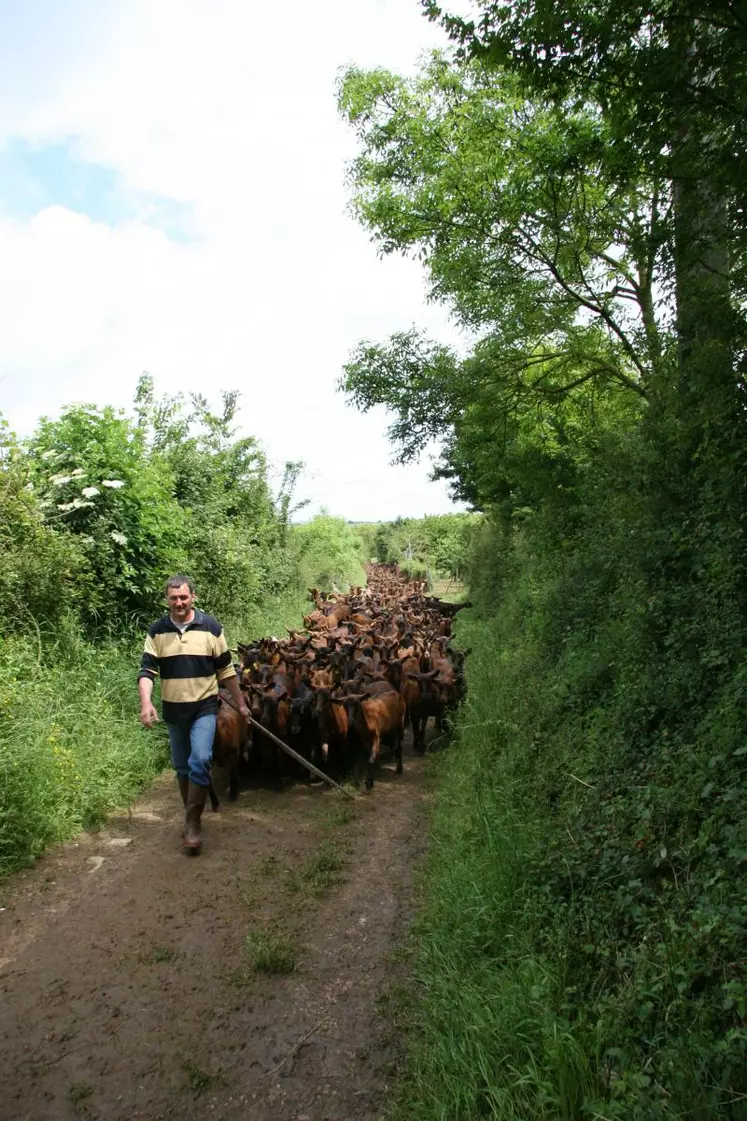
125, 982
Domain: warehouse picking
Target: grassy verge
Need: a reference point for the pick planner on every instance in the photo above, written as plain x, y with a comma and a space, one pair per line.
578, 949
71, 748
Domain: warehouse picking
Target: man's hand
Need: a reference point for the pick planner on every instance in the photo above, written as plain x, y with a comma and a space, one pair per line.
237, 697
148, 715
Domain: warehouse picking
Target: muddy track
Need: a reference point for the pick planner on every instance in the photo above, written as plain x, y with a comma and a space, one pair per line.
126, 985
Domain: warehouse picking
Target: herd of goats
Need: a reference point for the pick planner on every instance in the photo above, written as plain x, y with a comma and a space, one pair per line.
365, 666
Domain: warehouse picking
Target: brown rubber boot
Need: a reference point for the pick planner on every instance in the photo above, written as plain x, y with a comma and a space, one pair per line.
196, 796
183, 788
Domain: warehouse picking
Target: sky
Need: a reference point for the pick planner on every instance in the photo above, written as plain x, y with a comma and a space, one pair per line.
173, 199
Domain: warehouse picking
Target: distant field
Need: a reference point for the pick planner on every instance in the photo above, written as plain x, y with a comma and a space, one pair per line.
452, 591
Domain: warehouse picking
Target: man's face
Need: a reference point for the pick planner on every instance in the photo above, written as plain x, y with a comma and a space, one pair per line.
180, 601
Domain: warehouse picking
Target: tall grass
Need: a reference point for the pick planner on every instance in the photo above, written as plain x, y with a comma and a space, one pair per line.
71, 747
489, 1040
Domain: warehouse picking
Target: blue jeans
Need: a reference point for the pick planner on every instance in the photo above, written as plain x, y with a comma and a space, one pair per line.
192, 748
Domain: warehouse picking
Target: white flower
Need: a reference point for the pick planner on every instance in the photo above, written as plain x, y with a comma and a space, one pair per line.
60, 480
77, 473
76, 504
119, 538
113, 484
90, 492
49, 454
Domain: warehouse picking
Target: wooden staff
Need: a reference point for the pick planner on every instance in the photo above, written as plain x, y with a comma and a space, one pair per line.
293, 754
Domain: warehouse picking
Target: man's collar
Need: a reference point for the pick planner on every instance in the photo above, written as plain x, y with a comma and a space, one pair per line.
198, 617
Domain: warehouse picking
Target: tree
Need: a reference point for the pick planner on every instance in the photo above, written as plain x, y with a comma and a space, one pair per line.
668, 79
511, 204
233, 530
540, 241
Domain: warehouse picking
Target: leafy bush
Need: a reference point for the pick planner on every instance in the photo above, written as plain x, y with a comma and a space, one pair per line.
43, 574
329, 553
96, 481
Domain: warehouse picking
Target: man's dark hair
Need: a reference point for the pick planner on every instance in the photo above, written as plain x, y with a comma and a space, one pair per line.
177, 581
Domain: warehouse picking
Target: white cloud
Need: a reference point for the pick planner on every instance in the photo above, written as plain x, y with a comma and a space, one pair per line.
230, 107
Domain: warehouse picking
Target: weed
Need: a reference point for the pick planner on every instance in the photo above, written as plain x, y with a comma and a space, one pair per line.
270, 951
156, 955
239, 977
341, 814
164, 953
322, 869
67, 760
293, 881
401, 954
269, 865
77, 1095
199, 1081
249, 895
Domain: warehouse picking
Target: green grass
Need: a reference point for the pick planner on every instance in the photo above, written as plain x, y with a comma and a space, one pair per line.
449, 590
272, 616
322, 870
340, 815
270, 951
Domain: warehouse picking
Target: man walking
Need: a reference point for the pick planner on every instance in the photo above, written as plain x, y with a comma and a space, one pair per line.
188, 651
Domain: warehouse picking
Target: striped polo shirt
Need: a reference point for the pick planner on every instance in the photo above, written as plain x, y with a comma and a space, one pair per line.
189, 663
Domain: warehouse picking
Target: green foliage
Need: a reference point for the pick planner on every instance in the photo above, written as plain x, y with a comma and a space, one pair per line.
429, 547
232, 532
650, 67
43, 574
524, 225
329, 553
